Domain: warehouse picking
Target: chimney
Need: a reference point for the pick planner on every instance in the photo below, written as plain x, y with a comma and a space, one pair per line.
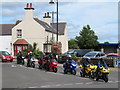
47, 18
29, 11
27, 5
30, 5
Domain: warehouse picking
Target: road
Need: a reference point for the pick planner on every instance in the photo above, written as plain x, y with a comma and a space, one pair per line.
18, 76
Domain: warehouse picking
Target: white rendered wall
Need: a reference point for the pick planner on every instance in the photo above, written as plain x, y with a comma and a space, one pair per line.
5, 43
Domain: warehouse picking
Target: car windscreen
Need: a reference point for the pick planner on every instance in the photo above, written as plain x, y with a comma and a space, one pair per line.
91, 54
70, 52
4, 53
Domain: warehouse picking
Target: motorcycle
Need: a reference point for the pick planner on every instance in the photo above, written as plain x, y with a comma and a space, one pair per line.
52, 65
88, 70
103, 73
31, 62
20, 60
70, 67
41, 63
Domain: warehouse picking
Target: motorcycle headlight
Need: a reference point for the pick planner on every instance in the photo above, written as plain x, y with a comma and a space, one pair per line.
70, 66
73, 65
54, 63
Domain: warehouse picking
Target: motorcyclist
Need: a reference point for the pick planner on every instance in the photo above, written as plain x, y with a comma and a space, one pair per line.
19, 57
100, 63
68, 61
85, 63
30, 55
47, 61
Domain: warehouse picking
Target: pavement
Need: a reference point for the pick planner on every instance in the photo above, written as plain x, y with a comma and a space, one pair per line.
19, 76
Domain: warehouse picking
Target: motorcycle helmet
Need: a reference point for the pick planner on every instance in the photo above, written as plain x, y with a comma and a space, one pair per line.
69, 57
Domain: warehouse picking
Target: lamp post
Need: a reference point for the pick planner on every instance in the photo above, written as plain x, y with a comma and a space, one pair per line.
53, 2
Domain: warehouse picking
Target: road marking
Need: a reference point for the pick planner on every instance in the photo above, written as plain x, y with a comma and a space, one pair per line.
89, 83
58, 85
110, 81
68, 84
33, 87
84, 78
45, 86
31, 68
13, 66
117, 81
78, 83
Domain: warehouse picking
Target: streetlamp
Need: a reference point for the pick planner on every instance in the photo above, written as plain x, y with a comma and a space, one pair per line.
53, 2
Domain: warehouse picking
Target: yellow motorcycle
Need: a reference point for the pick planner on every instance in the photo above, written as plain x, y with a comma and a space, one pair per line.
103, 73
87, 71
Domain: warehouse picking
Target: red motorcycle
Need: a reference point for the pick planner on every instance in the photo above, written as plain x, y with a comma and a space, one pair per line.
52, 65
42, 63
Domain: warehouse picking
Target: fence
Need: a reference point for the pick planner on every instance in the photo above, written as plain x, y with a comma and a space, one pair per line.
111, 62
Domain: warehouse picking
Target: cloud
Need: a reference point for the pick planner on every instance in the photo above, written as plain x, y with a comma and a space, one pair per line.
101, 16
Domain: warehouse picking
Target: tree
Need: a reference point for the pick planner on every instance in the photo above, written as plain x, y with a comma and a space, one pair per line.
106, 42
34, 49
87, 38
72, 44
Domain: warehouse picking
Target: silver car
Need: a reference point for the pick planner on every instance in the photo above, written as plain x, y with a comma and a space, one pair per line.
95, 54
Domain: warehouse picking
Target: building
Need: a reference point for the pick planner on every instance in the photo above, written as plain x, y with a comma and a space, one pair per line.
31, 30
110, 47
5, 37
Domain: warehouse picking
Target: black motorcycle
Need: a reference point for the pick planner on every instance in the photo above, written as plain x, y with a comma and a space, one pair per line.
20, 59
31, 62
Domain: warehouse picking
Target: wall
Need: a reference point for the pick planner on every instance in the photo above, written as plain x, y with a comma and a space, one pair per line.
64, 41
31, 32
5, 43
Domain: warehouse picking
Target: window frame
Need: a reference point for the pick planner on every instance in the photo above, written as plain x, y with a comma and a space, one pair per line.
19, 33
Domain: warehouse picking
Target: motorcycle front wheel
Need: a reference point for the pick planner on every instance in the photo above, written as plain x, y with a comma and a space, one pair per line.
105, 77
54, 69
33, 65
65, 71
23, 62
74, 72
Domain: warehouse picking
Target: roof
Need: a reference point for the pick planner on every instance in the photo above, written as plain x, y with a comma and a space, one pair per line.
21, 41
6, 29
53, 27
61, 27
45, 25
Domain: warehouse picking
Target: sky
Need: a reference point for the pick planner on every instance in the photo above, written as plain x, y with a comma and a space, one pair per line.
102, 16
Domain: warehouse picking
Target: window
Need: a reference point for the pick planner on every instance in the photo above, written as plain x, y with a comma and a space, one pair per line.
19, 33
102, 54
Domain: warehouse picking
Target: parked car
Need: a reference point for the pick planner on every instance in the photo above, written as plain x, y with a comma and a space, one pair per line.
5, 56
113, 55
75, 52
95, 54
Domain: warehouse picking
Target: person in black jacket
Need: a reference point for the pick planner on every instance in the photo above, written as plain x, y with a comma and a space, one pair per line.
30, 55
19, 57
